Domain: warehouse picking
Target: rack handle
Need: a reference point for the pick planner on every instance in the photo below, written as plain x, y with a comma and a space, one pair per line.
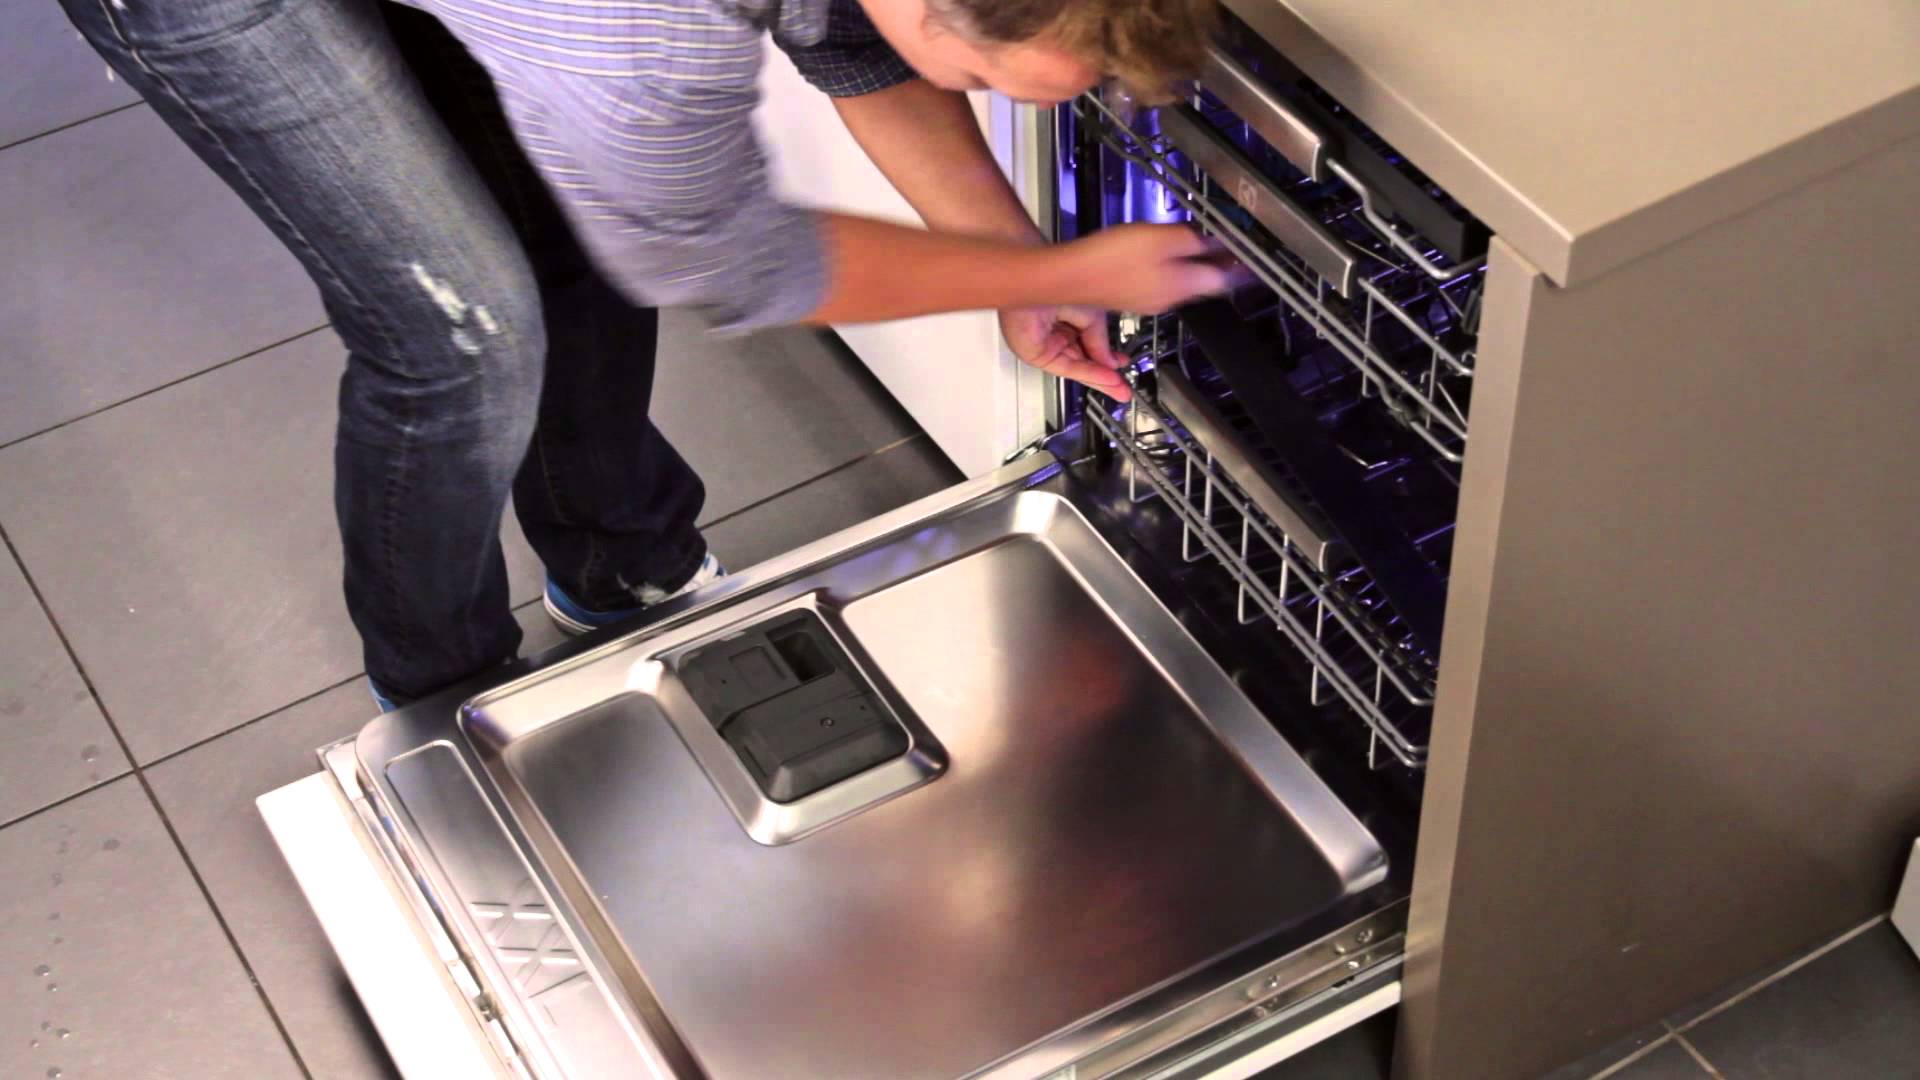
1307, 148
1297, 138
1301, 526
1223, 162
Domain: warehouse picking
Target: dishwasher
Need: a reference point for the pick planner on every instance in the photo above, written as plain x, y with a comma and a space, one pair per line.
1106, 764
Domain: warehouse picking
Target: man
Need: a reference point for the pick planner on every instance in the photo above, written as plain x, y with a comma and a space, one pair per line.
494, 195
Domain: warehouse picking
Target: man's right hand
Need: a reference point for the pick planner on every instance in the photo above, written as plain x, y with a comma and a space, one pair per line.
1149, 269
879, 270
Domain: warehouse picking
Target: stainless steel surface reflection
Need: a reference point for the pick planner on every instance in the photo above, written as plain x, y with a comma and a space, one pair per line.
1113, 818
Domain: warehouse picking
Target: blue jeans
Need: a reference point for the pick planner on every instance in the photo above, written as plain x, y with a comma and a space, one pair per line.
485, 352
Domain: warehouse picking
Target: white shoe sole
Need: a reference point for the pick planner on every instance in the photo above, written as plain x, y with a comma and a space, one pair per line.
574, 627
570, 626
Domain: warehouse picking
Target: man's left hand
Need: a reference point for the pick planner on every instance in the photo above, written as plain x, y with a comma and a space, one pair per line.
1070, 342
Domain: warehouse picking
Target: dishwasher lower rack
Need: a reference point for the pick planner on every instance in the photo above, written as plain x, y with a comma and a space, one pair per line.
1326, 611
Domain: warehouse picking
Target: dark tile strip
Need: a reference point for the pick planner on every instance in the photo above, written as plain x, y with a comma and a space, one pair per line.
164, 386
152, 799
72, 124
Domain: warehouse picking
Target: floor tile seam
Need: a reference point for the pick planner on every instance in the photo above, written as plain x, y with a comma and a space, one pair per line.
251, 721
1778, 975
93, 695
1699, 1058
162, 759
220, 919
1633, 1057
168, 385
241, 726
91, 787
71, 124
816, 478
153, 800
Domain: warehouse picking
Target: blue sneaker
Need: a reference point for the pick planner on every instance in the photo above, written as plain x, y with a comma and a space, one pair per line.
573, 617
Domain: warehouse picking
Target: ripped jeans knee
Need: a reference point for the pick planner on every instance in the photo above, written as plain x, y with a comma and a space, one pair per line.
447, 360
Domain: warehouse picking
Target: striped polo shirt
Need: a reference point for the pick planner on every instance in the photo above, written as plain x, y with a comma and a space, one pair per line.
640, 116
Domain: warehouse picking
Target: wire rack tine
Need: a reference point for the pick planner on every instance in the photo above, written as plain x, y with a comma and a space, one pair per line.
1329, 676
1415, 687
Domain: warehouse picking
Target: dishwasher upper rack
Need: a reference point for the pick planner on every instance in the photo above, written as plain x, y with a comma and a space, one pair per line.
1323, 613
1410, 378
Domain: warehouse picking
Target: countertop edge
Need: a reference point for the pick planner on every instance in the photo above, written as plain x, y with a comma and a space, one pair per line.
1758, 180
1571, 253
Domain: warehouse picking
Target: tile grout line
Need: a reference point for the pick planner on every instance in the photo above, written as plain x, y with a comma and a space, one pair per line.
1699, 1058
1633, 1057
216, 737
138, 770
1778, 975
842, 467
168, 385
92, 786
262, 718
329, 688
134, 104
153, 799
304, 698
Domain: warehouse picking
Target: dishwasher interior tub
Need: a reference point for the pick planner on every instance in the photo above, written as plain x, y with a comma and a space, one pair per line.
1143, 713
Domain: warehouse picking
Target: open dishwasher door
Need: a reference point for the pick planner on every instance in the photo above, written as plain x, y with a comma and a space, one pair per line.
949, 794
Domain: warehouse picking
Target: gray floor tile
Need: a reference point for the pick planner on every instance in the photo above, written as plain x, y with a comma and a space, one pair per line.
48, 76
759, 414
129, 265
1691, 1012
1853, 1012
871, 486
1611, 1054
185, 543
208, 794
525, 576
98, 904
539, 632
1362, 1052
53, 740
1669, 1061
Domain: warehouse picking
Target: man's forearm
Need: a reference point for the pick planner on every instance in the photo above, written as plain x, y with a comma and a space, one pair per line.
928, 144
878, 270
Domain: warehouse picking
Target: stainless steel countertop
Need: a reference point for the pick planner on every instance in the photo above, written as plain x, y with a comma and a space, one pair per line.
1587, 134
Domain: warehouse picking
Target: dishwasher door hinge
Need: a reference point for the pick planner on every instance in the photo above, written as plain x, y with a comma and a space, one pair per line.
1028, 450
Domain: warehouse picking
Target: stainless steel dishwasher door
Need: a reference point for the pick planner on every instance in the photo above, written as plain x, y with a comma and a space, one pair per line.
1102, 836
